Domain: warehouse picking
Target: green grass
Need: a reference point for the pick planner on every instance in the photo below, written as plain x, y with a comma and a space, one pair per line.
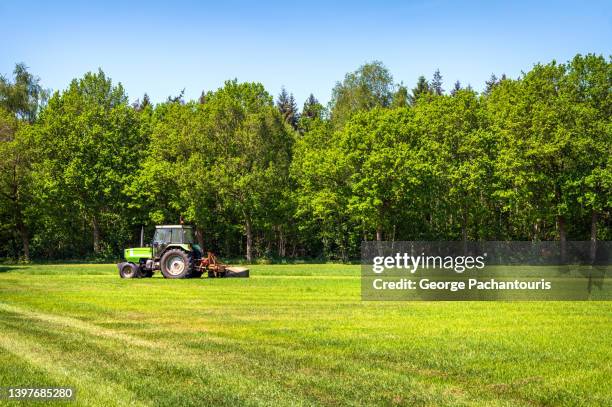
291, 335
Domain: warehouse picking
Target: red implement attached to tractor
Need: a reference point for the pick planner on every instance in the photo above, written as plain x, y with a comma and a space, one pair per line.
214, 268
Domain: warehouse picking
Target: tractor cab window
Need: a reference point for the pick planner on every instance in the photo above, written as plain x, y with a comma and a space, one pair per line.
177, 235
162, 236
188, 235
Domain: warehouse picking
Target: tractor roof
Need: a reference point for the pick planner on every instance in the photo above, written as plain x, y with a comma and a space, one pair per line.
172, 226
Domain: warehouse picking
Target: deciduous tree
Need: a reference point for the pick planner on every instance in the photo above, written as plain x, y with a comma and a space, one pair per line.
368, 87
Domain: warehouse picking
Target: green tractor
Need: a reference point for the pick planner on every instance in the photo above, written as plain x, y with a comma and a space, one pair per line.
175, 253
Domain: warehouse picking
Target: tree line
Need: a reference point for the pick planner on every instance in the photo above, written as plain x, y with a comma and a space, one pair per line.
82, 170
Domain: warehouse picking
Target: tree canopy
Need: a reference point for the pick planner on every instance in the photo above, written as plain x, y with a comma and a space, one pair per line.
526, 159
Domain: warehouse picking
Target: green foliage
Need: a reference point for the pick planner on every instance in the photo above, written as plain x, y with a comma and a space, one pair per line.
368, 87
553, 160
321, 175
225, 159
249, 164
436, 83
23, 96
587, 95
312, 113
90, 141
422, 88
456, 88
288, 108
17, 207
400, 97
387, 170
20, 102
460, 151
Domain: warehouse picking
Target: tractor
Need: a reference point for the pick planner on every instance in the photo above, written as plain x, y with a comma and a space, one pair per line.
174, 252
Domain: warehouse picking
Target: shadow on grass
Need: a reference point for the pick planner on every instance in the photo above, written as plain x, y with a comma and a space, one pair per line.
5, 268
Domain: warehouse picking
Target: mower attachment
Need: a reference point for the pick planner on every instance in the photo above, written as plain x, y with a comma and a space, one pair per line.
215, 269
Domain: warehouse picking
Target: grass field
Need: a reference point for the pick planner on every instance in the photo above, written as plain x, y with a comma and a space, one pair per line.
291, 335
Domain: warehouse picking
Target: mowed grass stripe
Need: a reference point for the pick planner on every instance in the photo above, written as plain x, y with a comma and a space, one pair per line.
60, 322
162, 377
91, 390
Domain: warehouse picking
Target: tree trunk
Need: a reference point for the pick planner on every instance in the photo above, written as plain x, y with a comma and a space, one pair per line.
379, 233
96, 235
25, 240
249, 239
537, 230
294, 250
593, 235
464, 230
281, 242
562, 237
593, 251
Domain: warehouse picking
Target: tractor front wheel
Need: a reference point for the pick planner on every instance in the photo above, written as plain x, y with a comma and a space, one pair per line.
176, 263
128, 271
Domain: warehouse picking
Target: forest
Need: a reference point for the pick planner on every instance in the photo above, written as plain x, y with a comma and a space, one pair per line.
82, 169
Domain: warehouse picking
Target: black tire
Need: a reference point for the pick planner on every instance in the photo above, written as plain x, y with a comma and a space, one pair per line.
128, 271
175, 263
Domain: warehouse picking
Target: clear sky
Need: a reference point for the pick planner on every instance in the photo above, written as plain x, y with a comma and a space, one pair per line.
163, 47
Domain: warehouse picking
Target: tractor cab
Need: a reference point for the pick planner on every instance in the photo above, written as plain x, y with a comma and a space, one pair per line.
173, 235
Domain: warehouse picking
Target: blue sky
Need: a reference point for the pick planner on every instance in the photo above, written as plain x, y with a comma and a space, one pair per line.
163, 47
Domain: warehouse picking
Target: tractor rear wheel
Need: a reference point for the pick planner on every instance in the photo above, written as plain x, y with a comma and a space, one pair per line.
176, 263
